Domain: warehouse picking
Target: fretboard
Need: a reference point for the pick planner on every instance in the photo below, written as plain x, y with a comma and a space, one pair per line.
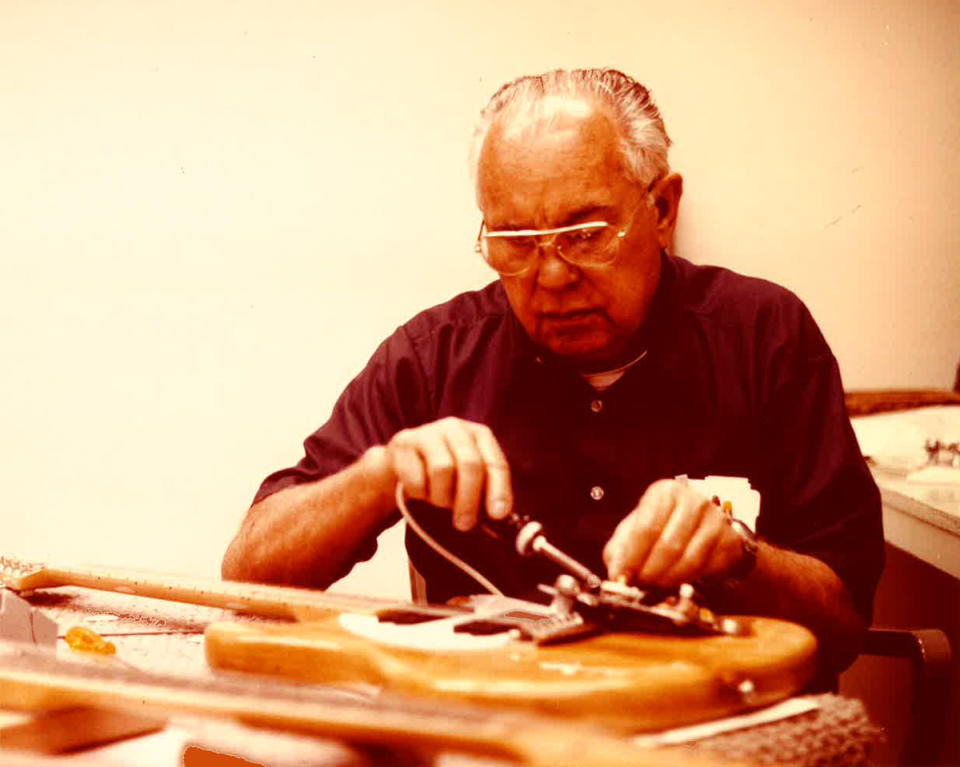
251, 598
33, 680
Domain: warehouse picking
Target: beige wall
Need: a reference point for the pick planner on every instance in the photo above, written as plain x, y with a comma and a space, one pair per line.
210, 212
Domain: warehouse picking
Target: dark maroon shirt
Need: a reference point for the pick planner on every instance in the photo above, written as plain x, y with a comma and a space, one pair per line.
737, 381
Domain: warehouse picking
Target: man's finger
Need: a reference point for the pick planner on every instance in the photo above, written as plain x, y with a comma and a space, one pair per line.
692, 565
408, 467
469, 473
627, 548
671, 546
440, 467
499, 489
725, 554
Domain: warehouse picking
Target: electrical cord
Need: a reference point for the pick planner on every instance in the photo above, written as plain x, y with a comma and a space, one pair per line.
437, 547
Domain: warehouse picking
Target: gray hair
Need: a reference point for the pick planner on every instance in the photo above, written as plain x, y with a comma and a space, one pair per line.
645, 140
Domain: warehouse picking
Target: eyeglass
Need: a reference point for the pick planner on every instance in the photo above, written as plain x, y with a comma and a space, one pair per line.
512, 252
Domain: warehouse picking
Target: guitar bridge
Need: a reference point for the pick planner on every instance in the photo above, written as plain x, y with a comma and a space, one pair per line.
550, 629
525, 621
539, 629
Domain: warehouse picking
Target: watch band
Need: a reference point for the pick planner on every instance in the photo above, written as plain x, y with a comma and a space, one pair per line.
742, 569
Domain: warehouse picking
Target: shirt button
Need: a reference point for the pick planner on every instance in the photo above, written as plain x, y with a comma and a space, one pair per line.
596, 492
596, 405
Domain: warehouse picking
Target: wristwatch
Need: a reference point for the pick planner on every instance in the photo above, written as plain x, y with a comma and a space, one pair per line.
748, 559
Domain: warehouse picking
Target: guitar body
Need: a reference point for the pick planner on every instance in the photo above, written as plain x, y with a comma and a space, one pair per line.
636, 682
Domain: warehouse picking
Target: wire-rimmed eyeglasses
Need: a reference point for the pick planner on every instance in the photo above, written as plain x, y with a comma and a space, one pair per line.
512, 252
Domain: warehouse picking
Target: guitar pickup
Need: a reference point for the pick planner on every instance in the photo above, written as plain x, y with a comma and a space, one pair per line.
539, 629
411, 615
551, 629
496, 623
483, 627
403, 616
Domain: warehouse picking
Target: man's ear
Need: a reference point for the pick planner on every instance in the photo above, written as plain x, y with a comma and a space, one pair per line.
666, 199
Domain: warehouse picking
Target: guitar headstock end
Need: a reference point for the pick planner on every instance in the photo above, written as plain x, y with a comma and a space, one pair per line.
20, 575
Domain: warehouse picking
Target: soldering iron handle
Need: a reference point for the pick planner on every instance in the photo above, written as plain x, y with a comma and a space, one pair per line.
505, 529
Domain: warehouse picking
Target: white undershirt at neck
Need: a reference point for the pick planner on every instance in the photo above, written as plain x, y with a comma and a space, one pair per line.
604, 379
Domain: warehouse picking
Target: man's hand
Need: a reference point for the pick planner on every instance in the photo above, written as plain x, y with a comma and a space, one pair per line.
674, 535
453, 464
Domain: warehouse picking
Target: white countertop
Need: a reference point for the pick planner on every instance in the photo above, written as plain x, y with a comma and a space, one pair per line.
921, 504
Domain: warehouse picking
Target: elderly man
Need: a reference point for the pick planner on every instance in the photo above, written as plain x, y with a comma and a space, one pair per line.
578, 386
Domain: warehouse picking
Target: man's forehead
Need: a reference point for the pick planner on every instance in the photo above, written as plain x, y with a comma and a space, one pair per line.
543, 115
555, 137
547, 116
535, 181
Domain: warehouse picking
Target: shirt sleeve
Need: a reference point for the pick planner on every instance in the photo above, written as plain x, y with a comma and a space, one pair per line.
819, 496
388, 395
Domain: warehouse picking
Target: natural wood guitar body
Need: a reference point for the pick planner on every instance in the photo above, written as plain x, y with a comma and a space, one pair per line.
634, 681
637, 681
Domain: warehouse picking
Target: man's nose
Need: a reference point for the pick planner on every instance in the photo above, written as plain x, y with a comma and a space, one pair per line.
553, 271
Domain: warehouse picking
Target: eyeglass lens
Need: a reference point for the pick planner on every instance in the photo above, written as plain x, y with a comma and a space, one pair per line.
582, 247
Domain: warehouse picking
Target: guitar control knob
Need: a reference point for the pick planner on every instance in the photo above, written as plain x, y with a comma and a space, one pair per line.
748, 691
733, 627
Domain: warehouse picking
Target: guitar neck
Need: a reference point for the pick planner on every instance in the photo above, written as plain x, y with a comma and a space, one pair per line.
35, 680
254, 599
